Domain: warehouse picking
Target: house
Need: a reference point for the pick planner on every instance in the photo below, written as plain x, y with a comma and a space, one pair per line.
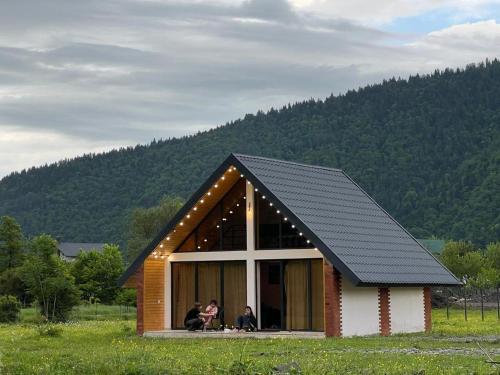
303, 245
69, 250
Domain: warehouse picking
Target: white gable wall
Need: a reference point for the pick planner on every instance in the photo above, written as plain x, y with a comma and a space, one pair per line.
360, 314
407, 310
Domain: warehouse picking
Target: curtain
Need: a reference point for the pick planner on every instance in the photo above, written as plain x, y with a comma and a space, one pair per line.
297, 297
183, 291
208, 282
235, 291
317, 296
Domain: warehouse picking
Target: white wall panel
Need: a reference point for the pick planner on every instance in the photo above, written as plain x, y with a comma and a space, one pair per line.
407, 310
359, 310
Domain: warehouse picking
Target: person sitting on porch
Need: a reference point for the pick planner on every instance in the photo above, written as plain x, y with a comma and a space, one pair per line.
192, 321
210, 313
247, 321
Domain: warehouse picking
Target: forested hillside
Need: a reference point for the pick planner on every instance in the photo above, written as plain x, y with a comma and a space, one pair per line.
426, 148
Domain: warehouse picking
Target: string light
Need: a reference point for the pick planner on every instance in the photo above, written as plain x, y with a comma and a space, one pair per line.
263, 197
205, 240
241, 175
293, 226
256, 189
300, 234
181, 223
161, 245
277, 211
188, 216
168, 238
209, 193
270, 204
223, 177
202, 201
216, 185
195, 208
285, 219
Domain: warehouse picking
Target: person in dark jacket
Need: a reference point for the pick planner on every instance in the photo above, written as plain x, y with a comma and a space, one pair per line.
246, 321
193, 321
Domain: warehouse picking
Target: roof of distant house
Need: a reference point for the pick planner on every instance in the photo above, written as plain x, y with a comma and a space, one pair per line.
350, 229
72, 249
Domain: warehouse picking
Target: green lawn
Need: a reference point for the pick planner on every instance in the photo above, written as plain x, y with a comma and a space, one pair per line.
110, 347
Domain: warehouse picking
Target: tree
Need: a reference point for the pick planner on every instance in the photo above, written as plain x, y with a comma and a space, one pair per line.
493, 254
461, 258
126, 297
96, 273
48, 279
11, 243
11, 283
145, 223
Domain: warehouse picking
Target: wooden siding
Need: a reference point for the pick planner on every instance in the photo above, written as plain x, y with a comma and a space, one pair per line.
131, 282
154, 294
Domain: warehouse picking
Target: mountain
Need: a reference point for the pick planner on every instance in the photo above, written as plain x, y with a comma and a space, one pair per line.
427, 148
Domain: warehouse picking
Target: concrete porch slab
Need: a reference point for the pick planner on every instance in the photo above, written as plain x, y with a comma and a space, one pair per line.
182, 334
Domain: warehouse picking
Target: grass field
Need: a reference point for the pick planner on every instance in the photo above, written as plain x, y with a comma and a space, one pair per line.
110, 347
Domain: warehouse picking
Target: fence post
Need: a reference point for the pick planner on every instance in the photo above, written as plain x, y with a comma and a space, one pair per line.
448, 304
482, 304
498, 304
465, 304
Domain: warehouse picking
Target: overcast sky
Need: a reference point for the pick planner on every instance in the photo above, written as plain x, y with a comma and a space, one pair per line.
86, 76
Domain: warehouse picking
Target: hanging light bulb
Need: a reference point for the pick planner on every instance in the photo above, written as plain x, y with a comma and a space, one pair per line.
300, 234
205, 240
285, 219
168, 238
256, 189
195, 209
293, 226
216, 185
263, 197
199, 247
188, 216
241, 175
161, 245
270, 204
218, 226
181, 223
277, 211
209, 193
202, 201
237, 204
223, 177
308, 241
162, 256
231, 212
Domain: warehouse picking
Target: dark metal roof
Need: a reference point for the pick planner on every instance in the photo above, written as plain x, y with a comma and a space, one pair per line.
72, 249
351, 230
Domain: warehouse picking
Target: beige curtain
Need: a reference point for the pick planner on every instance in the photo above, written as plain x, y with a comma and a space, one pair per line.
235, 291
317, 296
296, 289
208, 282
183, 291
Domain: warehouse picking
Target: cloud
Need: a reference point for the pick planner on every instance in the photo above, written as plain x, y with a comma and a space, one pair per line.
97, 74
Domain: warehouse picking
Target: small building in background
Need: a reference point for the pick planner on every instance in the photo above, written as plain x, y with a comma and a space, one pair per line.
434, 246
69, 250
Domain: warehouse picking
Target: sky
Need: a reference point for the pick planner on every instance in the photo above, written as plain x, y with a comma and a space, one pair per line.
89, 76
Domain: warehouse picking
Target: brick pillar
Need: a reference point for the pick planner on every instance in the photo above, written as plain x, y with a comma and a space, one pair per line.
140, 300
333, 301
427, 309
384, 311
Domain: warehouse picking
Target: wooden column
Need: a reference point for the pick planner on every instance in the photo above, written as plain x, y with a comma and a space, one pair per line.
427, 309
384, 310
333, 300
140, 300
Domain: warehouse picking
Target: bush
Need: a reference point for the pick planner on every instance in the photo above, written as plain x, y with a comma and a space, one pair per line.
49, 330
9, 309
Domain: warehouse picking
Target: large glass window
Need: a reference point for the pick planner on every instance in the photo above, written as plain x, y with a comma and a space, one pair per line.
224, 228
204, 281
291, 294
273, 231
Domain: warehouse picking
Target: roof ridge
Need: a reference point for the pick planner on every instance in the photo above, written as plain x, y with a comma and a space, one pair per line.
289, 162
